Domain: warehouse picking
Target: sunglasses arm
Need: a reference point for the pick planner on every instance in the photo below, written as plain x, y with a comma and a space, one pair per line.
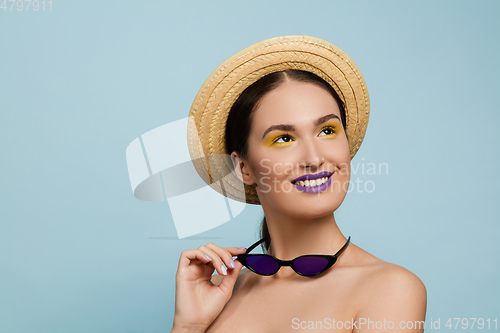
253, 246
343, 247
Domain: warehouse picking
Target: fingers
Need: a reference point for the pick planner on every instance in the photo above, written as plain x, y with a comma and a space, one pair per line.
227, 284
220, 258
189, 256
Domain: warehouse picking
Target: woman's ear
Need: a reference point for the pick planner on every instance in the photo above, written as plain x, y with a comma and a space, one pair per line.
242, 169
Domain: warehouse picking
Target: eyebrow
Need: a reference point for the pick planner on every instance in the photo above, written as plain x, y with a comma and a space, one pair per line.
285, 127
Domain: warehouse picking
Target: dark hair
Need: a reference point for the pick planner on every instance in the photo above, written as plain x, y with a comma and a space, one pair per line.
240, 116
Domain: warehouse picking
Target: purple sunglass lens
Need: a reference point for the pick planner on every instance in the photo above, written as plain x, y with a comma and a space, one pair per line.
310, 265
263, 264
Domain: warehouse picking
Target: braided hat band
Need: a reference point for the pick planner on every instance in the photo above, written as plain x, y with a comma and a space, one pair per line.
210, 109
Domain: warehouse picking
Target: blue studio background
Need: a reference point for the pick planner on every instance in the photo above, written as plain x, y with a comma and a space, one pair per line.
78, 83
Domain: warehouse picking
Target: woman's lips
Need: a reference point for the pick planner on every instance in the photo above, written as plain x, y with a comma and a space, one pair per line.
317, 188
313, 176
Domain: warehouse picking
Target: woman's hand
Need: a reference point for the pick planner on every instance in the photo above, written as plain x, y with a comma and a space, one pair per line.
198, 301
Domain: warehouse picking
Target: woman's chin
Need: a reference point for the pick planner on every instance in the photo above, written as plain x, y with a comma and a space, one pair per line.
304, 207
310, 215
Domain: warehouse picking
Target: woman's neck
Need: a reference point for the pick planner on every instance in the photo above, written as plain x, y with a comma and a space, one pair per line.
291, 237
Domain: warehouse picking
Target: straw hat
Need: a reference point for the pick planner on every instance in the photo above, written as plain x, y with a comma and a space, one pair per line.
210, 109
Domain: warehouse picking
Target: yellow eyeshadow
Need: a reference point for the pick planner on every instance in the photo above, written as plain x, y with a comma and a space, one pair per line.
335, 127
270, 140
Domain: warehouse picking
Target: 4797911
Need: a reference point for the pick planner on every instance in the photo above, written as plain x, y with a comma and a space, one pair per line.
26, 5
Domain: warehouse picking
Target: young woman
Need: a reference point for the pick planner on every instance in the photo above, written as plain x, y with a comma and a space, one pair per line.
291, 124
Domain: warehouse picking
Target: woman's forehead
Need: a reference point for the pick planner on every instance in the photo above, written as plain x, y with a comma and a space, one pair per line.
295, 103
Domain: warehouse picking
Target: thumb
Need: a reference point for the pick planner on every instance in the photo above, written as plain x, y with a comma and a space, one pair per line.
229, 280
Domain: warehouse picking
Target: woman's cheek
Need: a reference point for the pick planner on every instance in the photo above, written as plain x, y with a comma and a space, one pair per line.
265, 185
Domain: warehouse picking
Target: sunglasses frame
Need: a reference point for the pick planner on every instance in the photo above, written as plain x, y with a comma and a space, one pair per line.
331, 259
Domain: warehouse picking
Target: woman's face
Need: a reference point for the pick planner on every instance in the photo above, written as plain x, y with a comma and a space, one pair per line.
297, 131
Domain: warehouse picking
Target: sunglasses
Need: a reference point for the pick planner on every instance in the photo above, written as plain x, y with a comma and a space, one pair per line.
306, 265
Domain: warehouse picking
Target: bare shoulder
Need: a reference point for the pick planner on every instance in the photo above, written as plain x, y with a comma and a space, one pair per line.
378, 276
387, 290
394, 281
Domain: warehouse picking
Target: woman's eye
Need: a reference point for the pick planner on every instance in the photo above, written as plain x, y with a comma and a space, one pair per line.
328, 131
283, 139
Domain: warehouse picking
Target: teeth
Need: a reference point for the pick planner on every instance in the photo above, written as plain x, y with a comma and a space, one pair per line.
313, 182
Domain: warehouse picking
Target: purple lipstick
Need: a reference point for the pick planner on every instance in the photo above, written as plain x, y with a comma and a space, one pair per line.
313, 189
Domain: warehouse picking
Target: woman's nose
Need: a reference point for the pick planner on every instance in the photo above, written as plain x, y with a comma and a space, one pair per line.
312, 156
